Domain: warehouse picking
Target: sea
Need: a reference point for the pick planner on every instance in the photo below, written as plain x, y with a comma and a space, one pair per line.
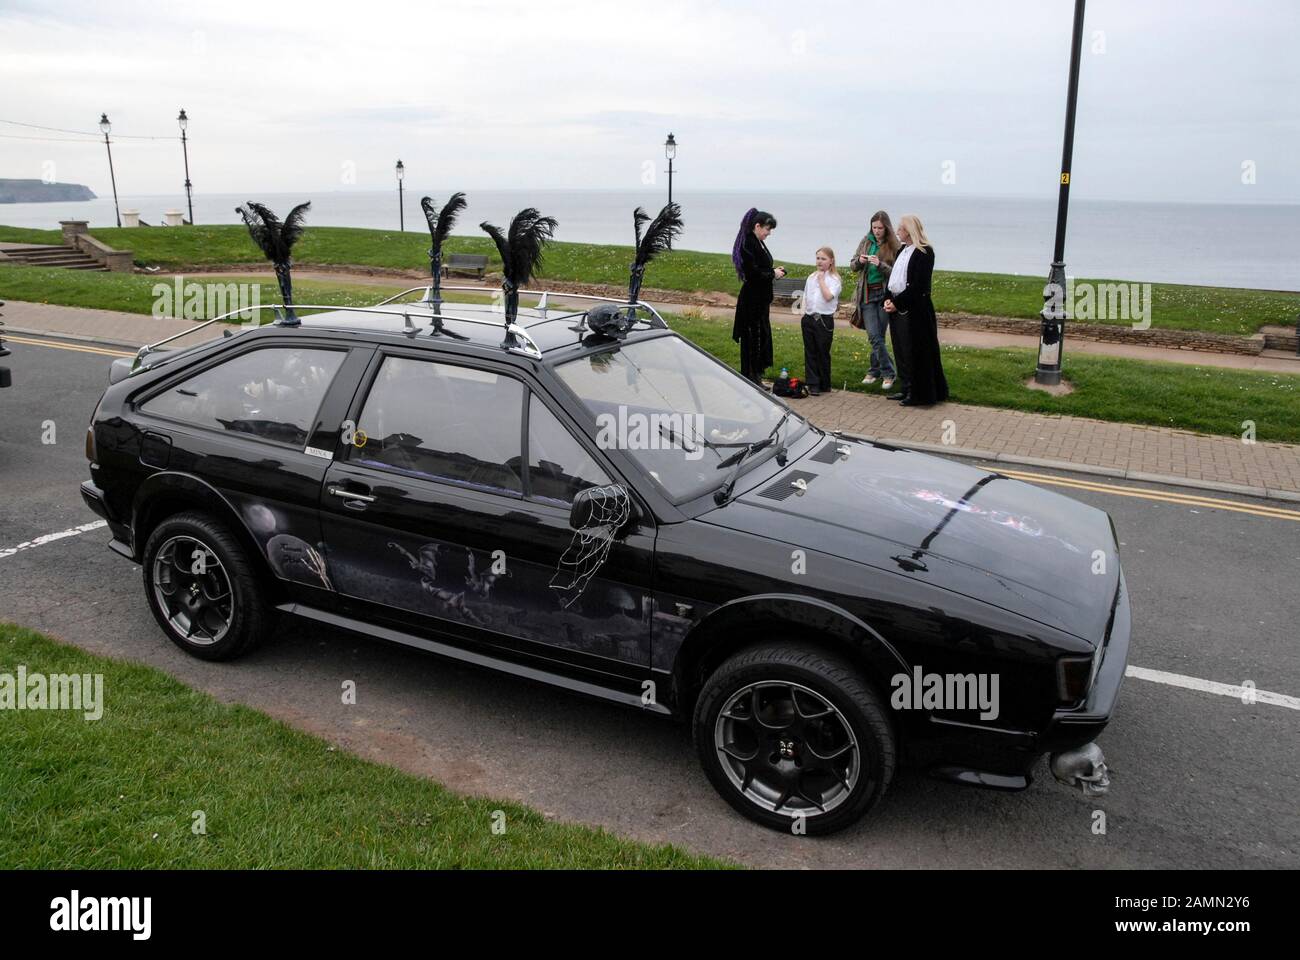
1228, 245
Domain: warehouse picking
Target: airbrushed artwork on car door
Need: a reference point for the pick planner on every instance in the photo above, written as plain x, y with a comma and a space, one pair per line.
535, 586
441, 510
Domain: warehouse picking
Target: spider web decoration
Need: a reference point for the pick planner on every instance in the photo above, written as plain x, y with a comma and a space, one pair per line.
587, 551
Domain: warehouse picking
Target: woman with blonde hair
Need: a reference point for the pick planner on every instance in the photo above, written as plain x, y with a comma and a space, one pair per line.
821, 298
908, 302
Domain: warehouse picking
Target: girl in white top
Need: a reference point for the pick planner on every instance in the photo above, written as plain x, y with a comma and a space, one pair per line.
821, 298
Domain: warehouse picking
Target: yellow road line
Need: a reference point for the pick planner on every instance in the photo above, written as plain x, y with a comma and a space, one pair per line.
56, 345
1185, 500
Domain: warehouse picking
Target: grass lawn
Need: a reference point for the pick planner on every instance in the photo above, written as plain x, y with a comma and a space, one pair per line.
1174, 306
120, 792
1205, 399
133, 292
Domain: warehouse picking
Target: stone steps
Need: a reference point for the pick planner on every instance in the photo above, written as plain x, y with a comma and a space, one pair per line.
68, 258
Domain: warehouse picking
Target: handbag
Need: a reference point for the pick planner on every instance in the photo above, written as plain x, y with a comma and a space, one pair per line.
789, 387
855, 318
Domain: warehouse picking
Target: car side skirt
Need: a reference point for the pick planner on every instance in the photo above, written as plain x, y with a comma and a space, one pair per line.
475, 658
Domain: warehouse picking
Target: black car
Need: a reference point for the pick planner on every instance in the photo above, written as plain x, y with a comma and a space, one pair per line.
622, 516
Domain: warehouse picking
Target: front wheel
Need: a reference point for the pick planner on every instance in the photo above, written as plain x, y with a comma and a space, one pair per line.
794, 738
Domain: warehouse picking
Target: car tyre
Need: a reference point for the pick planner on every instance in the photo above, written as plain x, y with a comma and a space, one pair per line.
794, 738
202, 589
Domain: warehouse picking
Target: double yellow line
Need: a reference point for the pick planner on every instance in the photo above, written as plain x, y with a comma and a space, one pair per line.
1182, 499
56, 345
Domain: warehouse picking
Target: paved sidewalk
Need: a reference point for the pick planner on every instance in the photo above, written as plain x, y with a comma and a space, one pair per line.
1224, 464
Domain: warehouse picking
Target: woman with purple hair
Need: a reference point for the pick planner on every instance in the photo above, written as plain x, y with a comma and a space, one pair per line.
753, 326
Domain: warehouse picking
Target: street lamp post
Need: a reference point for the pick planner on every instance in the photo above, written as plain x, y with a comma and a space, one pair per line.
670, 151
104, 127
401, 213
184, 122
1052, 335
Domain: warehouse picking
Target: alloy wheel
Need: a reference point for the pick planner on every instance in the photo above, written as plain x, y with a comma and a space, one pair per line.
787, 748
193, 590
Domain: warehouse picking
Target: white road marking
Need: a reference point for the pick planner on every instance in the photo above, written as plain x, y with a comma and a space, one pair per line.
51, 537
1211, 686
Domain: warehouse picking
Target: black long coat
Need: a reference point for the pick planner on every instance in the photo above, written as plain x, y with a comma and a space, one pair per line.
929, 385
753, 326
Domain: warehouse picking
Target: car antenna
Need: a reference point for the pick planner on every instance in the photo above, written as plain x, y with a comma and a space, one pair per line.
839, 417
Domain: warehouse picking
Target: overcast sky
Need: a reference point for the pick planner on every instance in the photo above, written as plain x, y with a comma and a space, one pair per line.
1175, 97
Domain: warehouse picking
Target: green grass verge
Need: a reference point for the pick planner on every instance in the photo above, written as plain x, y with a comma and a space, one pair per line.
120, 792
134, 292
1174, 306
1187, 397
1182, 396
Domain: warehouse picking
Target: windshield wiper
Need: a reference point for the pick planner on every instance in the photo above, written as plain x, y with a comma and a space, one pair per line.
737, 459
671, 436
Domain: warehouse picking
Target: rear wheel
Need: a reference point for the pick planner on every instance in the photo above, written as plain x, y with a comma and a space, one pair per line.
794, 738
201, 588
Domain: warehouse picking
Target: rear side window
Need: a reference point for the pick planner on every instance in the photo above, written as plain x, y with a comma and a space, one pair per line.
272, 393
443, 422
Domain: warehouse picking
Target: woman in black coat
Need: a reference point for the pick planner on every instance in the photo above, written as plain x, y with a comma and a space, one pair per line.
753, 326
908, 294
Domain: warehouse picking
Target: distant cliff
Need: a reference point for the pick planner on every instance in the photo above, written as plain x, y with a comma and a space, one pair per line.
36, 191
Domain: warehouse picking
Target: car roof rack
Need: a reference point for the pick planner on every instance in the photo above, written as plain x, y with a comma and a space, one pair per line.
516, 341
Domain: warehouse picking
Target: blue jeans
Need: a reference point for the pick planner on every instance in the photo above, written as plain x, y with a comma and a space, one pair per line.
877, 322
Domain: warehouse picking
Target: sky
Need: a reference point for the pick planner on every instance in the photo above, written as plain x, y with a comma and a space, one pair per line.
1193, 100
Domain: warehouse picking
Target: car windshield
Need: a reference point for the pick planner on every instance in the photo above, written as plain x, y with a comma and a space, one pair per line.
683, 415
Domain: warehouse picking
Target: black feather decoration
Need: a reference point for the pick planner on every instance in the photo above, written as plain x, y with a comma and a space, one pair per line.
440, 224
276, 240
639, 219
658, 238
521, 252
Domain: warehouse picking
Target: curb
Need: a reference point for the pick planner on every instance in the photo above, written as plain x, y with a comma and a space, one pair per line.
1241, 489
79, 337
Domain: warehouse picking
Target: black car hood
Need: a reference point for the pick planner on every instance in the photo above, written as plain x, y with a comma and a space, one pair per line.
1008, 543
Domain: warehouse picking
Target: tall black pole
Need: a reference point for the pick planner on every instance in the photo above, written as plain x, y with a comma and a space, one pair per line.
401, 211
189, 196
1052, 336
103, 125
670, 151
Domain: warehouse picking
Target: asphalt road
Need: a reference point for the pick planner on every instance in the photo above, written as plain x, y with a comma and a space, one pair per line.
1199, 779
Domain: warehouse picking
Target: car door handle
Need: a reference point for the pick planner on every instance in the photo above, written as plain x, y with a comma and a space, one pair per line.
349, 494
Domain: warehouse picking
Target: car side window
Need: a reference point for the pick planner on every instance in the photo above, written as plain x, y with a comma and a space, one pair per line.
272, 393
558, 466
439, 421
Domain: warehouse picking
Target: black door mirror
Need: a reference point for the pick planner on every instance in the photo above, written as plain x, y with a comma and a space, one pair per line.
609, 506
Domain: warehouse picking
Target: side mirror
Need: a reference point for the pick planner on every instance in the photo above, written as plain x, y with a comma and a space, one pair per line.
609, 506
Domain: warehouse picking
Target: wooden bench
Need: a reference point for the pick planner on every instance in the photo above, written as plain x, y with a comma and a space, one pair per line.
475, 263
786, 289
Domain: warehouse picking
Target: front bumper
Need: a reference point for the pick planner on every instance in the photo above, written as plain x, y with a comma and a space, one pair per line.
1076, 726
1005, 759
